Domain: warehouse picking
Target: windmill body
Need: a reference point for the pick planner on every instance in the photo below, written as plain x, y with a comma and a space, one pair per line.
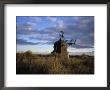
60, 48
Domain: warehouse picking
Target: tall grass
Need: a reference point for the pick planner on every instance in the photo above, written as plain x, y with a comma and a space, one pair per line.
28, 63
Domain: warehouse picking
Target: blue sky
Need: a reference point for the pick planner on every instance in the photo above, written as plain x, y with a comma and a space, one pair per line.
38, 33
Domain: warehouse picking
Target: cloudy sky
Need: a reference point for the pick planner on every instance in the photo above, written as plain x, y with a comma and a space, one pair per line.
38, 33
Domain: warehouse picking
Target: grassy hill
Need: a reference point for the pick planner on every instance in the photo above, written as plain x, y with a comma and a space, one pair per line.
28, 63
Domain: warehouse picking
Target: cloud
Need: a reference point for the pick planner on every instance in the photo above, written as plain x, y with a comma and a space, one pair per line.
61, 24
52, 19
25, 42
81, 46
25, 29
45, 39
46, 28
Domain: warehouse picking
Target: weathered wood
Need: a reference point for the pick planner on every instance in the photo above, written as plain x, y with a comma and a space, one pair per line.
60, 48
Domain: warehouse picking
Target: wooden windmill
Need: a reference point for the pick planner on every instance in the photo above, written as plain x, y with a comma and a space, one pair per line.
60, 47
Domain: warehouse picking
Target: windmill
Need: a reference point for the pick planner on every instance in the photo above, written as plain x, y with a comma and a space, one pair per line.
61, 34
60, 46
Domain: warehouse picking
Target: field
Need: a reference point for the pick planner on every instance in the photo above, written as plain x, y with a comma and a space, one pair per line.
29, 63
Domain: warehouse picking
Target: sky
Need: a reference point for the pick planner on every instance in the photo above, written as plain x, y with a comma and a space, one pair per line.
38, 33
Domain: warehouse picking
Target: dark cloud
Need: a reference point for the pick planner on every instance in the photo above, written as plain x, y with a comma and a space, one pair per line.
81, 46
81, 28
25, 29
25, 42
44, 37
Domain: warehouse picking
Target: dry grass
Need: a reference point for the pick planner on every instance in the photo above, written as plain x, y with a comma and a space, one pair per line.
28, 63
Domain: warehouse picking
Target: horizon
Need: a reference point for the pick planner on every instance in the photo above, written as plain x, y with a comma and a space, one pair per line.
71, 52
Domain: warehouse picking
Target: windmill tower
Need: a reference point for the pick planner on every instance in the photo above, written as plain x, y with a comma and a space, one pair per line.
60, 48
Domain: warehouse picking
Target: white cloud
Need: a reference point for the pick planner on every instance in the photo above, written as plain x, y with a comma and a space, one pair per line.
35, 19
85, 21
70, 49
32, 23
76, 18
53, 19
60, 24
83, 25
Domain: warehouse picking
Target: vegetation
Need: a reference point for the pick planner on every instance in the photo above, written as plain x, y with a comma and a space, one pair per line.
28, 63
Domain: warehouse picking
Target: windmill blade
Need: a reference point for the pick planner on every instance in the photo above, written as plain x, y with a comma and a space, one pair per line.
71, 40
62, 32
66, 41
71, 43
74, 41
